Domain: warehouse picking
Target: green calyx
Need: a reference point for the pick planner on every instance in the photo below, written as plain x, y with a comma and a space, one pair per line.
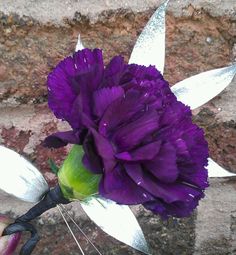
75, 180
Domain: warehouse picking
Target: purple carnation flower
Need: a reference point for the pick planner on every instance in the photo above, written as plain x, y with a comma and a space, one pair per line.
133, 130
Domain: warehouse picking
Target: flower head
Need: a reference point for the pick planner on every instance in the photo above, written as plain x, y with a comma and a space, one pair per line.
133, 131
9, 243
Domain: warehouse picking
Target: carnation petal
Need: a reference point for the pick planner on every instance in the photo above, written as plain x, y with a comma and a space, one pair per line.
140, 73
123, 109
133, 133
146, 152
174, 113
91, 159
113, 72
105, 150
103, 97
198, 177
64, 82
116, 185
176, 209
60, 139
60, 93
168, 192
177, 192
164, 165
86, 58
92, 163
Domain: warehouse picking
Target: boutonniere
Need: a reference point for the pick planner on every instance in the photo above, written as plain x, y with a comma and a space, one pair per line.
133, 139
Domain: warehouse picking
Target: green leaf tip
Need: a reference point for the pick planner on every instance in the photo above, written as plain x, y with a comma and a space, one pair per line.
54, 168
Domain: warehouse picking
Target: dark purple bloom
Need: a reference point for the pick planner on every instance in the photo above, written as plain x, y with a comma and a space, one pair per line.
133, 130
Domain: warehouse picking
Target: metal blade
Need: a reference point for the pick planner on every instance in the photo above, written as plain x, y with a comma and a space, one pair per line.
214, 170
20, 178
201, 88
117, 221
150, 46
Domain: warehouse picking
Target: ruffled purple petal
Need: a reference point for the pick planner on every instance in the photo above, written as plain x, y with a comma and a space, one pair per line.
60, 93
140, 73
91, 159
60, 139
92, 164
105, 150
104, 97
113, 72
165, 170
197, 177
177, 209
130, 135
80, 73
116, 185
146, 152
168, 192
174, 113
120, 111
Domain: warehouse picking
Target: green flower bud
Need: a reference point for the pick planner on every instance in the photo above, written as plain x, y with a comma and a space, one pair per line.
75, 180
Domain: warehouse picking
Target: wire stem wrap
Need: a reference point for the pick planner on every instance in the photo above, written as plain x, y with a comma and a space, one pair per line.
51, 199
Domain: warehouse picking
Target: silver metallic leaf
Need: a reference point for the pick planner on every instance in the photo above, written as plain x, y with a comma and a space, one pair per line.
19, 177
150, 46
201, 88
214, 170
79, 45
117, 221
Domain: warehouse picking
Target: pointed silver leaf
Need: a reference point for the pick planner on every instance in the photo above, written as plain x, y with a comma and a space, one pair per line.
117, 221
214, 170
150, 46
201, 88
19, 177
79, 45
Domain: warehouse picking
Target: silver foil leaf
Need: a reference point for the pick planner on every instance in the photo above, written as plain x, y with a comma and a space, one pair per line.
150, 46
79, 45
20, 178
214, 170
201, 88
116, 220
